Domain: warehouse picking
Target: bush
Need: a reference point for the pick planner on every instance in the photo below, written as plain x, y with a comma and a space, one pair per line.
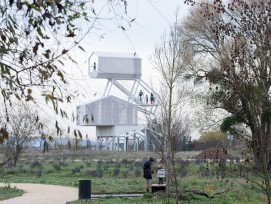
91, 173
99, 163
21, 169
138, 164
35, 164
124, 161
131, 167
56, 166
11, 171
49, 171
116, 172
125, 174
38, 173
106, 167
75, 170
117, 165
100, 174
137, 172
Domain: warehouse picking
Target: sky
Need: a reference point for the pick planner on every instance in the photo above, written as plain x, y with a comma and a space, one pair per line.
151, 19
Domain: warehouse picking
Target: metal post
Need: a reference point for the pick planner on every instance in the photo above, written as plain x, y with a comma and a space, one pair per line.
134, 142
106, 143
97, 143
113, 143
145, 140
118, 143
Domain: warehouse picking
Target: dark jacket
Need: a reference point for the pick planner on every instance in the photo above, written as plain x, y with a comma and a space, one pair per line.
147, 171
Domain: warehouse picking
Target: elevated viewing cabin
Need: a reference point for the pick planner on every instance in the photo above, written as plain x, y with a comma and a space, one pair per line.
107, 111
115, 119
114, 65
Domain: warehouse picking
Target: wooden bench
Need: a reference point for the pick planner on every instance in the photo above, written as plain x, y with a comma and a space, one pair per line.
158, 187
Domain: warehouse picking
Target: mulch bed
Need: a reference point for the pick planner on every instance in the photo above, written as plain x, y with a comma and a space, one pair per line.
214, 153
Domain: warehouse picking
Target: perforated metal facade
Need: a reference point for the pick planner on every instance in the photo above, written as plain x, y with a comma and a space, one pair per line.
115, 65
107, 111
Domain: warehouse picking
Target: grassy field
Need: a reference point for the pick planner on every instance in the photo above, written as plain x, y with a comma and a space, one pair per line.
120, 172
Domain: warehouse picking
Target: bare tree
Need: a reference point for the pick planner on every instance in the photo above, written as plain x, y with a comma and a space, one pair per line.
171, 60
235, 37
23, 125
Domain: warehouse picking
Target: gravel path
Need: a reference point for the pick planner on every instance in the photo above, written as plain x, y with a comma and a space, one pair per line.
42, 194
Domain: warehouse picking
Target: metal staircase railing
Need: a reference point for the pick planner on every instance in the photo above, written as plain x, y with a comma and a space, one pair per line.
126, 91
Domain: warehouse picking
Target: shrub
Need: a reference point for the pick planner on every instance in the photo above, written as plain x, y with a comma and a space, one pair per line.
125, 174
138, 164
38, 173
88, 164
100, 174
106, 167
116, 172
117, 165
75, 170
35, 164
91, 172
137, 172
99, 163
49, 171
56, 166
11, 171
21, 169
124, 161
63, 164
131, 167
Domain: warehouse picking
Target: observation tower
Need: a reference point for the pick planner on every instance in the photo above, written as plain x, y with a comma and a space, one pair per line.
116, 119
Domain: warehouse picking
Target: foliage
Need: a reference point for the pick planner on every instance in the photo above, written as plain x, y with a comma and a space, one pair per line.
36, 39
234, 37
213, 139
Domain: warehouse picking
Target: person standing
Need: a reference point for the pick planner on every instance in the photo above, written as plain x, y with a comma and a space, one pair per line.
147, 173
152, 98
140, 95
161, 173
147, 99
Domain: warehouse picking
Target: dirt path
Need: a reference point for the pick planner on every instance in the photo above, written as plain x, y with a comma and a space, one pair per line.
42, 194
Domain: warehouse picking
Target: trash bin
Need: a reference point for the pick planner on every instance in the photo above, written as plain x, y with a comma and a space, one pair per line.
84, 189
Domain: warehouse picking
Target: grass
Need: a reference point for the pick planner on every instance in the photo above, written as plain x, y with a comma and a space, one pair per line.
147, 198
118, 172
8, 192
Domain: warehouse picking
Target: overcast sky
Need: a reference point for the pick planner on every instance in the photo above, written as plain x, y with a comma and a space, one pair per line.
152, 19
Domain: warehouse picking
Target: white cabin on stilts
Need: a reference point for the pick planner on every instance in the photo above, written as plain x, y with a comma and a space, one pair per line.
115, 119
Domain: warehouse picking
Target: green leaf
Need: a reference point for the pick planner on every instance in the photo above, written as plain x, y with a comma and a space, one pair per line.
64, 51
3, 135
81, 48
80, 135
61, 75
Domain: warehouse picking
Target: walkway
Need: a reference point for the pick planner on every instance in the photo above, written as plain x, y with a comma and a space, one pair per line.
42, 194
48, 194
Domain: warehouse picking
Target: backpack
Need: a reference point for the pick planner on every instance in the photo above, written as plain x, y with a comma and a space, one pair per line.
145, 165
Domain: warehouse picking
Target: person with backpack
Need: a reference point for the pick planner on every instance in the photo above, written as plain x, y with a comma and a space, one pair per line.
140, 95
147, 173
